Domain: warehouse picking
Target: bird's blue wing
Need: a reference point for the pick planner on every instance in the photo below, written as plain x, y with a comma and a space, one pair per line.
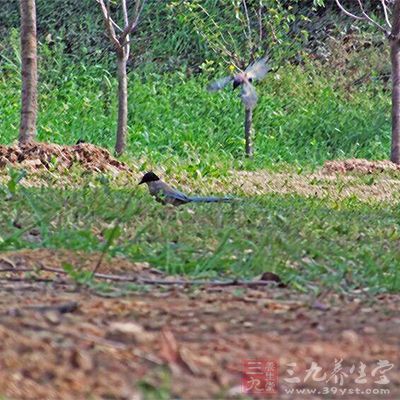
258, 69
176, 194
219, 84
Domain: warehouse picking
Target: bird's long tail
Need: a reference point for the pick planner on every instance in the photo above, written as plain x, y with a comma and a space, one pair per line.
211, 199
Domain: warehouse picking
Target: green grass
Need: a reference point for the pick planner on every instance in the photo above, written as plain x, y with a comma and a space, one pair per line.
311, 243
303, 117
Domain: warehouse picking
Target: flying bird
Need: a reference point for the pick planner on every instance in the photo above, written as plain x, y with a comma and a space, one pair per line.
254, 71
166, 194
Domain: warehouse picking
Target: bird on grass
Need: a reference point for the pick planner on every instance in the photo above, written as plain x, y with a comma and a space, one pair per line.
166, 194
244, 79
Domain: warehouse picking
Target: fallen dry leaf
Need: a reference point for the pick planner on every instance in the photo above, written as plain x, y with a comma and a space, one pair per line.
128, 332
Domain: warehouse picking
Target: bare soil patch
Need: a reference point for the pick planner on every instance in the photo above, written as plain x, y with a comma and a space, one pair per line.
190, 341
36, 156
79, 259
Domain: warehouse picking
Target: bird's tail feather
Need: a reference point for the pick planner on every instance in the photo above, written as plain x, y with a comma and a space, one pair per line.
211, 199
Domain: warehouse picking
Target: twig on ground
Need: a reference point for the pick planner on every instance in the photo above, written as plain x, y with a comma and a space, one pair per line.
183, 282
7, 261
62, 308
122, 278
207, 283
15, 269
19, 279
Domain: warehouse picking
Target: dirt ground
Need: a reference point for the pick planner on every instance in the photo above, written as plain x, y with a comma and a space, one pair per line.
58, 341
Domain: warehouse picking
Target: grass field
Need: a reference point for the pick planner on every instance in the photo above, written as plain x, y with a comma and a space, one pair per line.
305, 116
335, 238
311, 237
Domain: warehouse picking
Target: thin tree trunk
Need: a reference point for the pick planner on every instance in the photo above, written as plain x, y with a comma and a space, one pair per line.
395, 59
247, 132
122, 105
27, 131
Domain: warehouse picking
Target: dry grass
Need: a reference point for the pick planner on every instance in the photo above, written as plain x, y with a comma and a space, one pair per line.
321, 185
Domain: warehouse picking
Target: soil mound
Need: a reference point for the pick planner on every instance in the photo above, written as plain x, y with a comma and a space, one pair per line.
359, 166
46, 155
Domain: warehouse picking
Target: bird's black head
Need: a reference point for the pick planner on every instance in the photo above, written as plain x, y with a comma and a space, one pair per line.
149, 177
239, 79
236, 82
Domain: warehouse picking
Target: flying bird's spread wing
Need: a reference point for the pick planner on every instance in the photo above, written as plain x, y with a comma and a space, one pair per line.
219, 84
248, 95
258, 69
255, 71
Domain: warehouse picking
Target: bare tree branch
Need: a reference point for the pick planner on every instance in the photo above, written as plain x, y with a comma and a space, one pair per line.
260, 27
109, 19
232, 58
139, 5
220, 43
364, 17
225, 44
385, 11
136, 8
109, 26
125, 13
248, 35
126, 23
116, 25
369, 19
348, 13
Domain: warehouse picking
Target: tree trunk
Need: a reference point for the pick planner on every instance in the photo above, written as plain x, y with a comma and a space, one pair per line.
122, 105
247, 132
27, 131
395, 59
